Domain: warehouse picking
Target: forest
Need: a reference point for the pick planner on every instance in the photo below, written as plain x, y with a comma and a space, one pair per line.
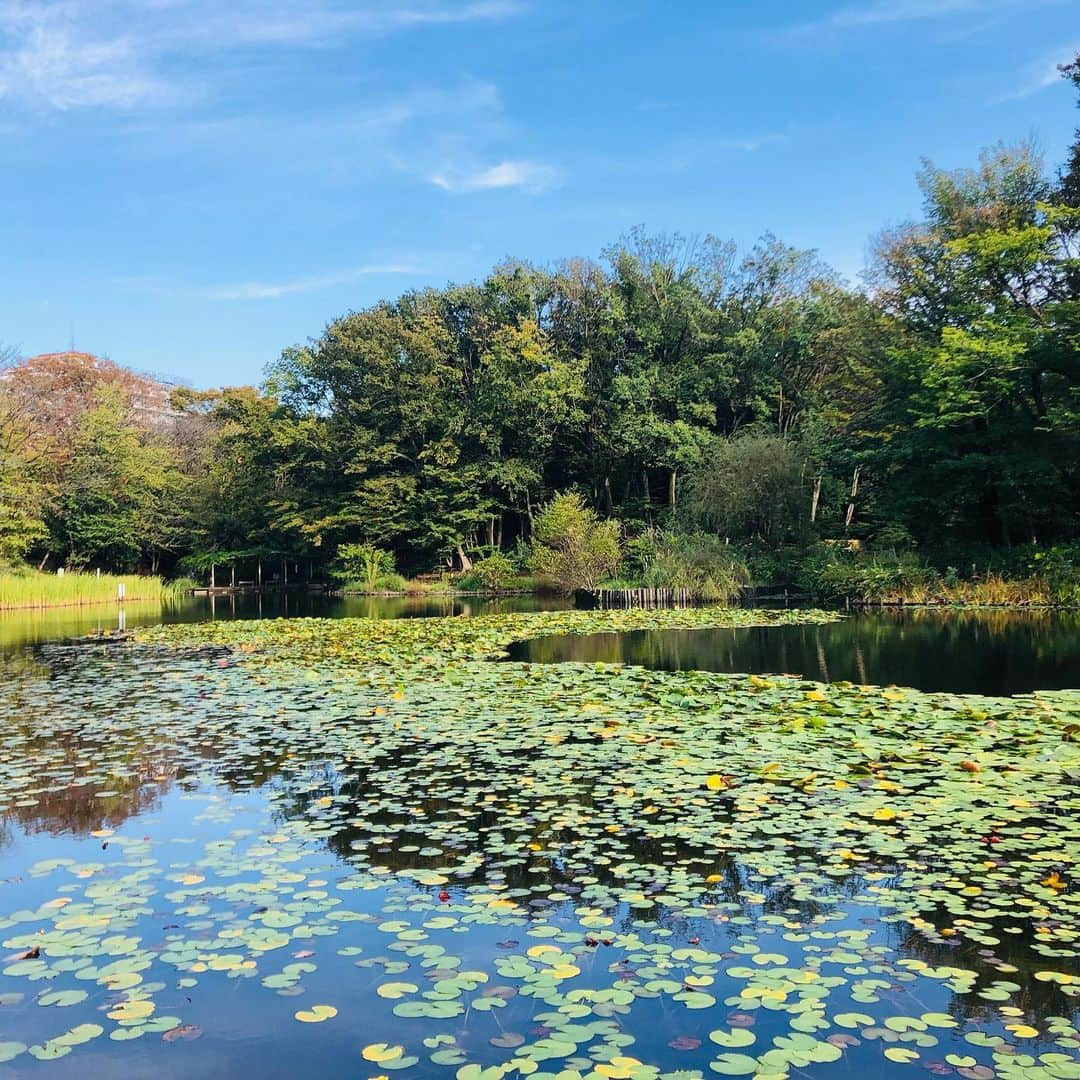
688, 400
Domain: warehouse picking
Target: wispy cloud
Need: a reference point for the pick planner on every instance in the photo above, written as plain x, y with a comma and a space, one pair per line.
892, 11
1040, 75
120, 54
272, 290
529, 175
882, 13
470, 97
269, 290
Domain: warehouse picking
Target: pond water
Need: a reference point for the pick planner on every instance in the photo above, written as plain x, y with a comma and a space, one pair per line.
306, 848
33, 626
973, 651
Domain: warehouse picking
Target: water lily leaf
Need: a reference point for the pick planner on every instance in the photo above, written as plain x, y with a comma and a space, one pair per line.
316, 1014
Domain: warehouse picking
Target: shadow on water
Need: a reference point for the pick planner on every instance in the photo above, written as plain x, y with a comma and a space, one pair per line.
992, 652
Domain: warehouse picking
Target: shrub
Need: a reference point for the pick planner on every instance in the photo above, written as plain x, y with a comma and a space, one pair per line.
390, 583
639, 554
573, 548
363, 565
1059, 568
700, 563
180, 587
494, 572
835, 573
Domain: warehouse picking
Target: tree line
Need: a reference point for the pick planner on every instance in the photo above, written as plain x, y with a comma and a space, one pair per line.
674, 383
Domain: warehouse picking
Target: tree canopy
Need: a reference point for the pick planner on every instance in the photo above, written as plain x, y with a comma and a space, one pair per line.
673, 382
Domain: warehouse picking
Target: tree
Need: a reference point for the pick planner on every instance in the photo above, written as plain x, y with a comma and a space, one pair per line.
114, 503
1070, 174
573, 547
750, 488
979, 413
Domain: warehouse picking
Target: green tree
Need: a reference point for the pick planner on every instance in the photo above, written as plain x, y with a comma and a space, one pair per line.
750, 488
979, 419
573, 547
115, 502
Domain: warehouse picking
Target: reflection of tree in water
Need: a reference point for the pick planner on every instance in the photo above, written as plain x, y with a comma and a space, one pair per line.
368, 815
379, 841
983, 651
76, 807
77, 784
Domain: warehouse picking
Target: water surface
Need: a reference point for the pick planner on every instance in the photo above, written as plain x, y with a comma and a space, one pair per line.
236, 841
984, 651
33, 626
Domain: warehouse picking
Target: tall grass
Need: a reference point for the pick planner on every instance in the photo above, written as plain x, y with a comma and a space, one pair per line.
888, 578
30, 589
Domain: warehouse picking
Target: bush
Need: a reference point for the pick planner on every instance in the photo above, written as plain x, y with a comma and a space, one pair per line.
573, 548
180, 587
835, 573
390, 583
639, 554
1059, 568
494, 572
700, 563
361, 566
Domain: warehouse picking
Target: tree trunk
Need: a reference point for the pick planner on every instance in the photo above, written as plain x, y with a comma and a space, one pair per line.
466, 562
608, 501
671, 488
491, 531
854, 491
213, 576
814, 501
44, 560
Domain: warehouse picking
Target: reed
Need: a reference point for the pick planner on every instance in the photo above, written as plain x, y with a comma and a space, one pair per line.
30, 589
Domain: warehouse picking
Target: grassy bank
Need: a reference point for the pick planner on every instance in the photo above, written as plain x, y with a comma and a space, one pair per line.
464, 584
1025, 577
30, 589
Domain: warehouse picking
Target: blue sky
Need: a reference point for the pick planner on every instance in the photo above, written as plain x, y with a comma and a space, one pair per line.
188, 186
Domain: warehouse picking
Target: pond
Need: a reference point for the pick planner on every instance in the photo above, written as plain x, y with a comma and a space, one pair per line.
33, 626
987, 651
338, 847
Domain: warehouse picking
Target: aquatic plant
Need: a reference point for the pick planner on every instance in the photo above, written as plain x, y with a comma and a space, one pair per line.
474, 868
